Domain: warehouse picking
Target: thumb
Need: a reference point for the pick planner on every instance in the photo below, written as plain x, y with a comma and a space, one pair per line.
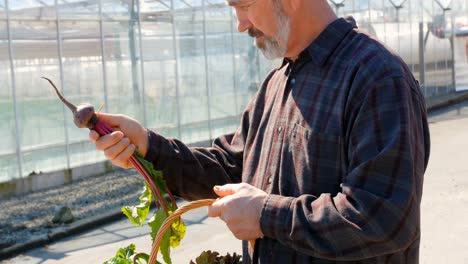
225, 190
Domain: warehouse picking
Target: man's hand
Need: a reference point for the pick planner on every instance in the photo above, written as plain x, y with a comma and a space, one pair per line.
240, 208
121, 144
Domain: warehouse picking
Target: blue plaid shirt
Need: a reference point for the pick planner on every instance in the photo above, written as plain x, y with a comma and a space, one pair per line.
340, 141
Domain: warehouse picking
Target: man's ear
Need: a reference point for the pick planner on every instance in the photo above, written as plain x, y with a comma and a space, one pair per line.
291, 6
295, 4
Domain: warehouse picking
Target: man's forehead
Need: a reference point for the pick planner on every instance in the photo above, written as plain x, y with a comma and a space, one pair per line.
239, 2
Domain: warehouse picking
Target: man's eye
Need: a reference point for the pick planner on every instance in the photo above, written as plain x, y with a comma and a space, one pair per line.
244, 7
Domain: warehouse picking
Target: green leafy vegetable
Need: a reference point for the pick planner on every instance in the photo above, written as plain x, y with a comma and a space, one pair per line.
137, 214
155, 223
172, 237
157, 176
141, 258
123, 255
209, 257
178, 229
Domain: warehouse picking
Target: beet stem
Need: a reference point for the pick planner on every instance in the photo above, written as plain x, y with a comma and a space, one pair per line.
103, 129
153, 186
174, 203
71, 106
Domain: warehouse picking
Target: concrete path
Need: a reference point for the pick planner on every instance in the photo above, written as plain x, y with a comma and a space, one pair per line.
101, 244
444, 213
445, 197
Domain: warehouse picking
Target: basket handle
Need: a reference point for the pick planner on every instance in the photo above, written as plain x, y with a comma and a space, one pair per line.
168, 222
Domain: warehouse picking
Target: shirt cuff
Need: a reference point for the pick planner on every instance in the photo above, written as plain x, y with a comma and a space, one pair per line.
275, 220
154, 146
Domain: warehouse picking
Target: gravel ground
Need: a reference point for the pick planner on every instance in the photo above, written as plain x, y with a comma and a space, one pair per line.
28, 215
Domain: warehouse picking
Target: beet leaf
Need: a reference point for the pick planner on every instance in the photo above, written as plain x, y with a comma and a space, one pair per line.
178, 229
212, 257
137, 214
142, 258
123, 255
156, 175
155, 223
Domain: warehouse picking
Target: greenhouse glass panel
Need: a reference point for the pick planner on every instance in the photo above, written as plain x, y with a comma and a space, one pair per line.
160, 76
437, 60
32, 9
8, 156
79, 9
153, 8
122, 58
117, 10
83, 82
221, 68
193, 97
40, 115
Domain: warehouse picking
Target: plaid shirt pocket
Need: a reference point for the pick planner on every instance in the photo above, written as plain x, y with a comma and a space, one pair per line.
311, 162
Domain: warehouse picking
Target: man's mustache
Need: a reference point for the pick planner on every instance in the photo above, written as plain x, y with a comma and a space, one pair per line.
253, 32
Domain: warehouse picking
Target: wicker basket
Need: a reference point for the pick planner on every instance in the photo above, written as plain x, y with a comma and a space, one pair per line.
168, 222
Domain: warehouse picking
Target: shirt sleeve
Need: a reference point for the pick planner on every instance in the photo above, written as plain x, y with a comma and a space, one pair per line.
377, 211
191, 172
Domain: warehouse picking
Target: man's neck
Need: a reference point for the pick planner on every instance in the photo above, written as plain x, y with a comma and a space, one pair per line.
307, 23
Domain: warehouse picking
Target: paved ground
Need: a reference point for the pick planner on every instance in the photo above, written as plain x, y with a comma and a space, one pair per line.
100, 244
445, 198
444, 212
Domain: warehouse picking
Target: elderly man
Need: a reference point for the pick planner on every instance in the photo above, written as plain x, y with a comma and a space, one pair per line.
327, 165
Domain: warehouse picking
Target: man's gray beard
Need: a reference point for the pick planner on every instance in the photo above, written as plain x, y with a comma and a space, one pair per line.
276, 48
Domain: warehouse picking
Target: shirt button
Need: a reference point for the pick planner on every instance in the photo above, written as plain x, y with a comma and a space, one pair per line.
280, 129
270, 180
293, 81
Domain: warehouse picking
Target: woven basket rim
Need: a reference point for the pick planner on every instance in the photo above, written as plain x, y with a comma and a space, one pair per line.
170, 219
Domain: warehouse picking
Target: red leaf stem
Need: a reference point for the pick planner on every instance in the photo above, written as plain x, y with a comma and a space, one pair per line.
148, 179
174, 203
103, 129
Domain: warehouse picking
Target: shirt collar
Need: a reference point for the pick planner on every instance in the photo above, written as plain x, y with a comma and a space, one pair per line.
324, 45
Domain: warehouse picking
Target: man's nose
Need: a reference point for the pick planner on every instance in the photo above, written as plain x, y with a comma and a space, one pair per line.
243, 23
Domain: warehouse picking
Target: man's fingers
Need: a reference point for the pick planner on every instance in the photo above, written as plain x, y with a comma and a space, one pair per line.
116, 150
126, 155
214, 210
93, 135
109, 140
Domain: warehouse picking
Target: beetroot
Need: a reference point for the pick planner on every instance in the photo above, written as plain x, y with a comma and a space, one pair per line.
85, 116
